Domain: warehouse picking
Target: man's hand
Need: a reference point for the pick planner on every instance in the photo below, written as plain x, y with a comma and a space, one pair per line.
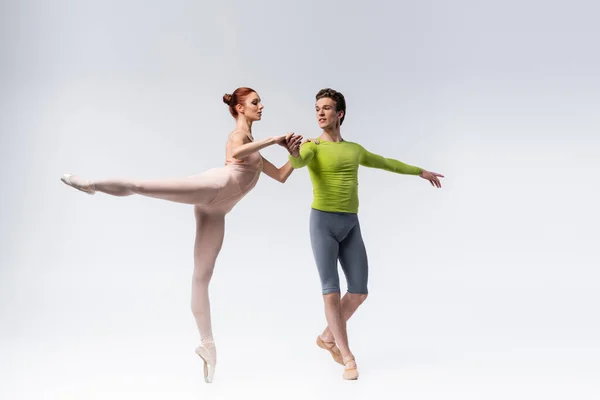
432, 177
293, 145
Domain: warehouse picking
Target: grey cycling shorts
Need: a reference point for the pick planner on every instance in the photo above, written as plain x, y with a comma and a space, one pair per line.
336, 236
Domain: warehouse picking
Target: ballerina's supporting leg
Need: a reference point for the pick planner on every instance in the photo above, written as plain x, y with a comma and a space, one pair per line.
210, 230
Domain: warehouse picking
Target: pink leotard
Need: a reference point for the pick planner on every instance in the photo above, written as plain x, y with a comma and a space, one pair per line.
233, 181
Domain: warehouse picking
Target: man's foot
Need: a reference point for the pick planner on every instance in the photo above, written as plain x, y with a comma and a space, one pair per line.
208, 353
78, 183
331, 348
350, 369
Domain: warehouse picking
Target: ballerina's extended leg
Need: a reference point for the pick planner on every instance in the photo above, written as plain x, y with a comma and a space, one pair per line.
197, 189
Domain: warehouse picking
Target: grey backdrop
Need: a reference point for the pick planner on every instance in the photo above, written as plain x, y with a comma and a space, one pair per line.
487, 288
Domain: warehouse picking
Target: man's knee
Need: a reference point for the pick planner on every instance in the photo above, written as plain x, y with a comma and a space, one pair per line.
358, 298
332, 299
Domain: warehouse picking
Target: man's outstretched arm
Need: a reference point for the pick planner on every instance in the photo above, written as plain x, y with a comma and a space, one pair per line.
389, 164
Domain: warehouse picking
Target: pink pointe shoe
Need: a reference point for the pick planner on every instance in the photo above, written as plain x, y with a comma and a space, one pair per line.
208, 353
78, 183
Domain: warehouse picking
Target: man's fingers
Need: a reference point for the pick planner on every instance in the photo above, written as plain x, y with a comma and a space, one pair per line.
293, 141
432, 178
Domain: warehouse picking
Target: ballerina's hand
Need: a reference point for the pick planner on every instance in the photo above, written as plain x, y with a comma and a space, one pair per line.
314, 140
282, 139
432, 177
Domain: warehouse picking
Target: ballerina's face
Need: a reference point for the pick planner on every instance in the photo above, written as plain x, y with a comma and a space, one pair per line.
251, 107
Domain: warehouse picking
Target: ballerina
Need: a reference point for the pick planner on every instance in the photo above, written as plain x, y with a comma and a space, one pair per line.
213, 194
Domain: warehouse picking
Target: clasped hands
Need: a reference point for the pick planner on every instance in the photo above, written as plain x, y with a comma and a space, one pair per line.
291, 142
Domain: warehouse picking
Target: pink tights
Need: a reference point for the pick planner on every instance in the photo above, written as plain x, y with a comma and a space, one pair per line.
199, 190
210, 229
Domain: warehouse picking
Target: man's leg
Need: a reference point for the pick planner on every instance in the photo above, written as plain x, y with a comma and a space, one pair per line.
325, 248
353, 258
337, 324
348, 304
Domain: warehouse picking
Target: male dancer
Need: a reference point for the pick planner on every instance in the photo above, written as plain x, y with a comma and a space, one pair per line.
334, 228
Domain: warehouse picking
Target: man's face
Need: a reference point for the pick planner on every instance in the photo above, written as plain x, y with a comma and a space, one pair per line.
327, 117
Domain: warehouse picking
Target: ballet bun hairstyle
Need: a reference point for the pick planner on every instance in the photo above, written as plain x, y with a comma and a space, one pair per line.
237, 97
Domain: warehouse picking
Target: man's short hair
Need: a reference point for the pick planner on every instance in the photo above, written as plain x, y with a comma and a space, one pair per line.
340, 101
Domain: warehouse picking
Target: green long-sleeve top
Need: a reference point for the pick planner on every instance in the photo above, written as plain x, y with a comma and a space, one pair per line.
333, 169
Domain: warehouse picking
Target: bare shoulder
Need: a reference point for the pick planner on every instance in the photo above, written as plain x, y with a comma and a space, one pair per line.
239, 137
